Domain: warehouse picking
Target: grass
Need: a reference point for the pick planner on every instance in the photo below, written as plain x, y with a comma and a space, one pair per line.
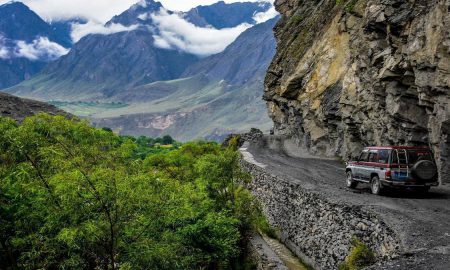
264, 227
359, 257
87, 109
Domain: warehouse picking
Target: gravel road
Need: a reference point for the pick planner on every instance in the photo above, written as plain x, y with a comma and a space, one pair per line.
422, 221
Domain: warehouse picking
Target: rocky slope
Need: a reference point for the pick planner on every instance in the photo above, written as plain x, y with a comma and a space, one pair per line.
20, 108
348, 74
244, 60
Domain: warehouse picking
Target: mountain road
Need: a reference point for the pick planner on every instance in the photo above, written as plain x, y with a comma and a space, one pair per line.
421, 221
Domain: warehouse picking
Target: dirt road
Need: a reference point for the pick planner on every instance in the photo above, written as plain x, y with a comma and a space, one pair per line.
422, 221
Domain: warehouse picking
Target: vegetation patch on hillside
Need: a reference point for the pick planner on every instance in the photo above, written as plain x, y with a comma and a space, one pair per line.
359, 257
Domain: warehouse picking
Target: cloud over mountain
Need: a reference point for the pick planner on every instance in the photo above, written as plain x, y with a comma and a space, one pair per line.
40, 49
174, 32
261, 17
3, 53
91, 27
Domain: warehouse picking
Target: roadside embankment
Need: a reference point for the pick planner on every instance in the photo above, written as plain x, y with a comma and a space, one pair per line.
315, 229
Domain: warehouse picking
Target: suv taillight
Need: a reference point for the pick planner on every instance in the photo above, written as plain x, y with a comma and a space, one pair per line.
387, 175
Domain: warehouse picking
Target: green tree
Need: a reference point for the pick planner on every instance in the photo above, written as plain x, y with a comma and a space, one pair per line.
167, 140
76, 197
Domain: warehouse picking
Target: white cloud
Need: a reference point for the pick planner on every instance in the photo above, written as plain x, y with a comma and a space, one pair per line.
265, 16
143, 16
81, 30
177, 33
160, 42
40, 49
4, 53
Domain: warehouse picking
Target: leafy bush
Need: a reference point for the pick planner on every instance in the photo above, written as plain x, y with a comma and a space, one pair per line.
76, 197
360, 256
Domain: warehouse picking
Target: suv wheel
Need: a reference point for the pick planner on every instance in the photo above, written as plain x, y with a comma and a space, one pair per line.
350, 182
375, 185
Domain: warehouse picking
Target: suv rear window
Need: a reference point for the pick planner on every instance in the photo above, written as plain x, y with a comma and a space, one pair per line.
399, 157
418, 155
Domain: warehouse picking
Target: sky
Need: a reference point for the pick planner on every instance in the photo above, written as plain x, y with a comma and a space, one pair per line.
101, 10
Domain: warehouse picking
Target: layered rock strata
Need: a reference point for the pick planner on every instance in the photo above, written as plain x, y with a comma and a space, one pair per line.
349, 74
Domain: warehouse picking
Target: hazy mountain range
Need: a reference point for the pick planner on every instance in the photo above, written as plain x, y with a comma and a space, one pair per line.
148, 71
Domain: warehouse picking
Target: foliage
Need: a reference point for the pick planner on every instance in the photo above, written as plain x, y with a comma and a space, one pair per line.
295, 20
263, 225
75, 197
360, 256
349, 5
234, 142
146, 145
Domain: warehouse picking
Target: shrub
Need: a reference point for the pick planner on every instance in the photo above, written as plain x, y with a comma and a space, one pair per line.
360, 256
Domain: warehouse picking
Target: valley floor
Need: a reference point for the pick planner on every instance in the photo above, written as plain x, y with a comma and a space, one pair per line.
422, 222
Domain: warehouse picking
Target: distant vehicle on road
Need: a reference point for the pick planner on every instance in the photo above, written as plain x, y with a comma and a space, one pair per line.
393, 166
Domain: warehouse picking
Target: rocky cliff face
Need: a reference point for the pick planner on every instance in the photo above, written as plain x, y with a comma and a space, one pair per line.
349, 74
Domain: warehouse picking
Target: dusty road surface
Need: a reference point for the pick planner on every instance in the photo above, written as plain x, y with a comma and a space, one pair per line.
422, 221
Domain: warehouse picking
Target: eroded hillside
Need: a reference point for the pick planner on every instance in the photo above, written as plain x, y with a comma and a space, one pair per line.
20, 108
348, 74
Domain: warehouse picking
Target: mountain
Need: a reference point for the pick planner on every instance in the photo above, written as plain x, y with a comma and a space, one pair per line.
18, 22
222, 15
15, 70
221, 94
100, 66
218, 15
137, 14
244, 60
126, 59
27, 43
